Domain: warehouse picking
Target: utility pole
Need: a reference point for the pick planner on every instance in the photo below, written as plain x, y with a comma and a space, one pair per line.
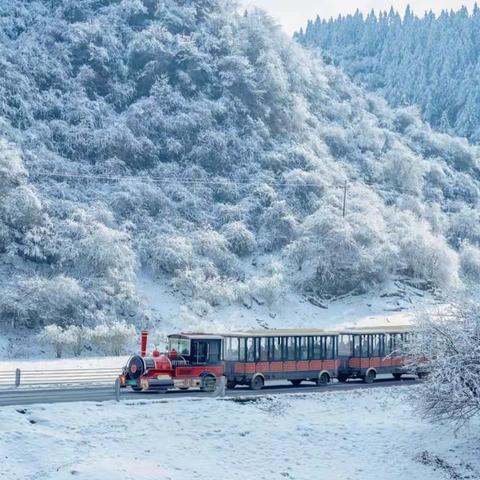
344, 199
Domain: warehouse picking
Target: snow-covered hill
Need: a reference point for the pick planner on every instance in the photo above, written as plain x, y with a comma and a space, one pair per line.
179, 142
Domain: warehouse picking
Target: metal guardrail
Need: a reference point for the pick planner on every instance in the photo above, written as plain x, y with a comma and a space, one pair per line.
26, 387
54, 378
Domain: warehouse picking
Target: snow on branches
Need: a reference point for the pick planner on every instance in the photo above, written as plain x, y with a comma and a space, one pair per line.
450, 340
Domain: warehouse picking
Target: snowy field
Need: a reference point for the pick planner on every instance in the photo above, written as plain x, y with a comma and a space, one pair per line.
64, 363
359, 435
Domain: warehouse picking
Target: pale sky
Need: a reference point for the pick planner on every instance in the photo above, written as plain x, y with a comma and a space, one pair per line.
293, 14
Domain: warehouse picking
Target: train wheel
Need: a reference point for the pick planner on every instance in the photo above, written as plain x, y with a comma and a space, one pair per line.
257, 382
296, 382
231, 384
397, 376
342, 378
370, 376
209, 383
323, 379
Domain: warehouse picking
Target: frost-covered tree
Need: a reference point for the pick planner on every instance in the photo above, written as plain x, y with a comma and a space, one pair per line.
450, 343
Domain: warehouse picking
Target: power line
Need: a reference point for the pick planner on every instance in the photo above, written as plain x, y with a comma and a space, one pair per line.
213, 182
186, 181
170, 180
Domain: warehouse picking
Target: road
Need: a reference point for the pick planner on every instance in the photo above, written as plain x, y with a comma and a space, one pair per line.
102, 393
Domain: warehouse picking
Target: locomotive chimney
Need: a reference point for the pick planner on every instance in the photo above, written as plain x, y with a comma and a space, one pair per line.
143, 350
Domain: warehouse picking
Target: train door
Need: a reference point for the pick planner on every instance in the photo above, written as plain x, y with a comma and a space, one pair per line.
345, 350
205, 352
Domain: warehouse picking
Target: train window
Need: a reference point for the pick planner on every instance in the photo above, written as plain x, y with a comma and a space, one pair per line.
345, 346
364, 346
381, 347
180, 345
303, 343
199, 352
263, 349
356, 345
375, 347
241, 349
275, 349
250, 350
231, 348
289, 343
393, 343
329, 351
256, 343
317, 348
213, 351
386, 345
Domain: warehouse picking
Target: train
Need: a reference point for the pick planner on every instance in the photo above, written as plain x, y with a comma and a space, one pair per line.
252, 357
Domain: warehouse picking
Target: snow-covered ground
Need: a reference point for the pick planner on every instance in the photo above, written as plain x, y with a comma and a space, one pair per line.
394, 303
355, 435
64, 363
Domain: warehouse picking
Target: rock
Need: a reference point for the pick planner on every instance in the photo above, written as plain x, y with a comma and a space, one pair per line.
317, 303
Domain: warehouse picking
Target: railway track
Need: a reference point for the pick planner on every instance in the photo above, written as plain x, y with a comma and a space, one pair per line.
101, 393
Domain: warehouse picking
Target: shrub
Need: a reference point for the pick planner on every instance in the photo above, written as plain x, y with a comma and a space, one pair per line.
470, 262
269, 288
214, 290
241, 241
56, 337
113, 338
78, 337
213, 246
38, 301
430, 258
168, 253
22, 208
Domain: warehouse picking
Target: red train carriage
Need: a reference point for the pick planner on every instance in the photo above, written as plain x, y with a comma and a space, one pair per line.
367, 352
253, 357
245, 358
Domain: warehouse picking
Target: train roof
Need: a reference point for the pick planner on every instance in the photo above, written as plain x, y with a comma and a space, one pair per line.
377, 329
205, 336
296, 332
281, 332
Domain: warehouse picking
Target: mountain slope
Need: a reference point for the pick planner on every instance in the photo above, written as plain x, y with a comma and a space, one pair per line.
206, 148
430, 62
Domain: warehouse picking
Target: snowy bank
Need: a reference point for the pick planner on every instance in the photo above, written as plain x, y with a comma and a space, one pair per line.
361, 435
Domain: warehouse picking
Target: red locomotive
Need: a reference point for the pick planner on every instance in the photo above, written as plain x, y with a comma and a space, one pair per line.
253, 357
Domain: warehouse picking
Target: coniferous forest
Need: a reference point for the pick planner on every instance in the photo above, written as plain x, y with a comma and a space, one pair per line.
431, 62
